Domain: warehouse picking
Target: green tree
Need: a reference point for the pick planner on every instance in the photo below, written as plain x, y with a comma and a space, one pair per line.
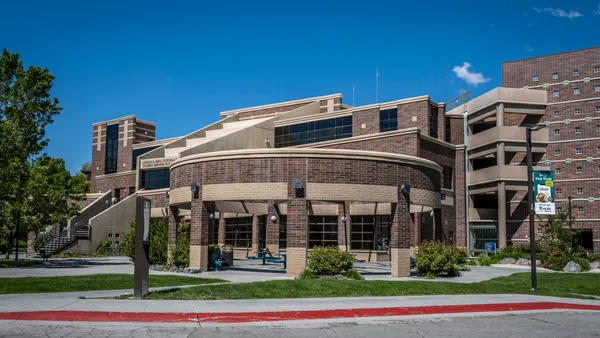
557, 232
26, 109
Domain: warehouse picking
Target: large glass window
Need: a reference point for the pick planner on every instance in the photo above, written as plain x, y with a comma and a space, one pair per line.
238, 232
215, 231
282, 232
313, 131
370, 232
155, 179
448, 128
447, 178
112, 149
323, 231
137, 152
433, 121
388, 119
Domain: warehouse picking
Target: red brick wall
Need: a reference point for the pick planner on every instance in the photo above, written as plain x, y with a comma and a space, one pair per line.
369, 117
420, 110
111, 182
407, 144
457, 135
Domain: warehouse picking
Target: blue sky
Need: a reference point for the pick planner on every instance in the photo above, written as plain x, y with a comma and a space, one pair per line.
173, 61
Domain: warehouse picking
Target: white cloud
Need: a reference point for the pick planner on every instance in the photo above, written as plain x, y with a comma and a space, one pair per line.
559, 13
528, 49
471, 78
597, 11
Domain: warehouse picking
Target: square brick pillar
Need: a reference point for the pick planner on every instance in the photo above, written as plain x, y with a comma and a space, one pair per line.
221, 239
460, 198
199, 233
344, 211
172, 232
297, 228
255, 234
401, 237
272, 228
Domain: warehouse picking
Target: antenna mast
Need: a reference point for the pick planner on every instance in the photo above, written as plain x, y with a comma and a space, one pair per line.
353, 96
376, 85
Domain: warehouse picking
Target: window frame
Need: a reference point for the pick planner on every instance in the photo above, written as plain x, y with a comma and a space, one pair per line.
388, 119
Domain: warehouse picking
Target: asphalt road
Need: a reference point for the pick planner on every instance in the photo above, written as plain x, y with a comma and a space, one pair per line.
518, 325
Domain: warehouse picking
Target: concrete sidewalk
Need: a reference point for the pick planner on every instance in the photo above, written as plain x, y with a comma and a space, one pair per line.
270, 310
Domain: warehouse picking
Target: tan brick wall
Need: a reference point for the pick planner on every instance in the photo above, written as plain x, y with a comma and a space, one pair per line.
351, 192
199, 257
400, 262
296, 261
244, 191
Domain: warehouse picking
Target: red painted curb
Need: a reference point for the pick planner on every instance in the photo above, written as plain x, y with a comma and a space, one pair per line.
247, 317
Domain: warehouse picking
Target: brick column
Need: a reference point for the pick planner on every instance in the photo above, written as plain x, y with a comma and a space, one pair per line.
255, 234
272, 228
297, 224
221, 238
172, 232
460, 198
501, 215
199, 233
401, 237
342, 236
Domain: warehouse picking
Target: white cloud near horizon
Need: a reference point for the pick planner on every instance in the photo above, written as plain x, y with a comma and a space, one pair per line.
559, 13
473, 79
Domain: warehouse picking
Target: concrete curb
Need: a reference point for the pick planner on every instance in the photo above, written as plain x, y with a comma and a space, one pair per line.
202, 318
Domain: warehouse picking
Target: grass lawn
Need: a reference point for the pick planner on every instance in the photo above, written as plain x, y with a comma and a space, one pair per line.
550, 284
10, 263
92, 283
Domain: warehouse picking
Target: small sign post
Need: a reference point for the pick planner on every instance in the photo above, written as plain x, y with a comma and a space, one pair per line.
142, 247
490, 247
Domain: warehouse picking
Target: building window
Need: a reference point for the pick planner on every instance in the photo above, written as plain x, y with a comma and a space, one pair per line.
137, 152
577, 111
599, 169
155, 179
597, 89
580, 209
577, 130
238, 232
557, 152
597, 109
447, 178
556, 131
536, 78
575, 72
598, 128
579, 170
555, 93
313, 131
554, 76
282, 231
117, 194
576, 91
110, 235
370, 232
388, 119
448, 128
557, 171
131, 190
556, 113
112, 149
579, 191
598, 149
117, 235
578, 151
558, 190
433, 121
323, 231
596, 69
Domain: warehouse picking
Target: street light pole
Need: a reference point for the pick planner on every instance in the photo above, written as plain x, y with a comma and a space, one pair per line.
531, 210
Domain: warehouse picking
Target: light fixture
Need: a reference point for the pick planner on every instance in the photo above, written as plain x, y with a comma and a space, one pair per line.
267, 140
432, 213
273, 218
211, 215
343, 219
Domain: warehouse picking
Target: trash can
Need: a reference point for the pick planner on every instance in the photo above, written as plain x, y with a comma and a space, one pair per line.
227, 253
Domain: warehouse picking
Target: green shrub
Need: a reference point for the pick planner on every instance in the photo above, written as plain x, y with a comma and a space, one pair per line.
130, 242
434, 258
307, 274
585, 265
102, 245
593, 257
472, 262
353, 274
330, 260
484, 260
159, 229
181, 252
72, 254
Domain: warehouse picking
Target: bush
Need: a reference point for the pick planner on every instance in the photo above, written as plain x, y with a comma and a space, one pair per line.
307, 274
330, 260
181, 252
593, 257
484, 260
102, 245
585, 265
159, 229
434, 258
472, 262
353, 274
130, 242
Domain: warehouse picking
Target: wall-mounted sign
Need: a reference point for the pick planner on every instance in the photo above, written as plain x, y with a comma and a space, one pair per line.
153, 163
543, 192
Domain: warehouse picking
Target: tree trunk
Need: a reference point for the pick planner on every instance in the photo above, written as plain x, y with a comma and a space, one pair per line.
9, 244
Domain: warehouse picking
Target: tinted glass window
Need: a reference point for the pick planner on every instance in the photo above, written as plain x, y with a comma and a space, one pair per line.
314, 131
112, 149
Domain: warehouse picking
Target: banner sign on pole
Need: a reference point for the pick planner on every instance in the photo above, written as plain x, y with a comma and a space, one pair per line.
543, 192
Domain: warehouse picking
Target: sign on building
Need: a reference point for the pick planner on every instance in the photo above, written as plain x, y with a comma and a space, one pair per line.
543, 191
157, 163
